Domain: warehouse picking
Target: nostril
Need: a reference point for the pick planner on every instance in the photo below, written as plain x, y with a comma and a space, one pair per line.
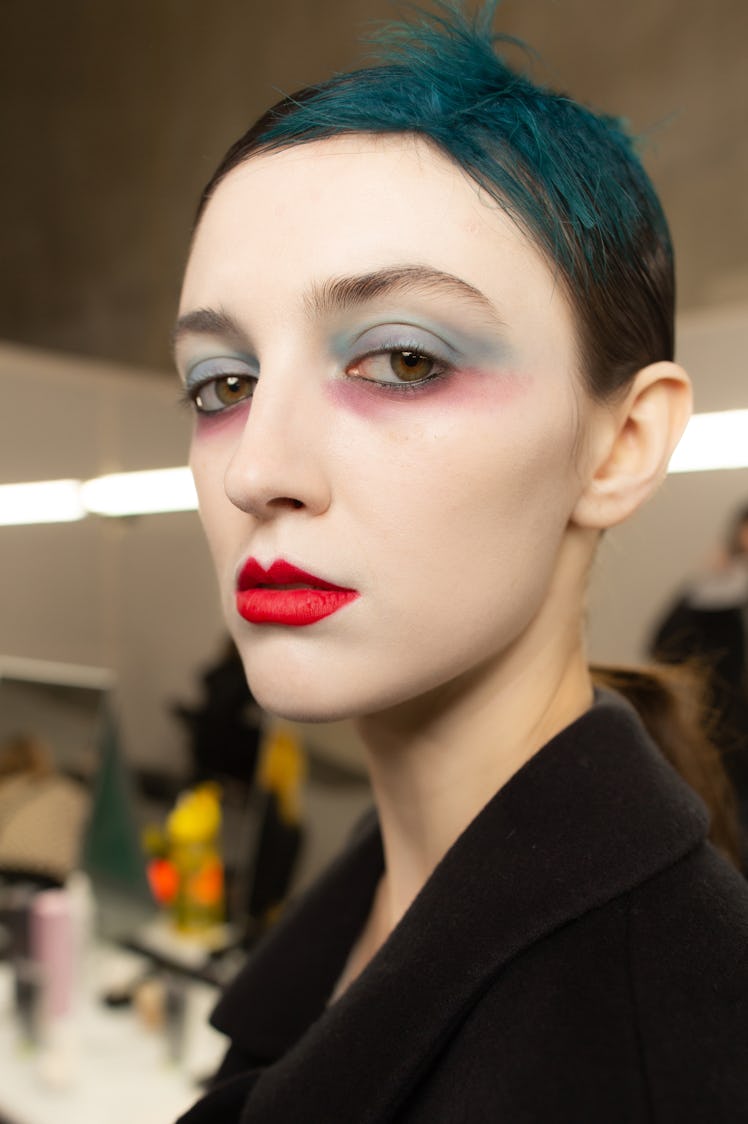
284, 502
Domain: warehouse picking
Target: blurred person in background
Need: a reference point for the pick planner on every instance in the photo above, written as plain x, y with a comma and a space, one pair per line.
707, 626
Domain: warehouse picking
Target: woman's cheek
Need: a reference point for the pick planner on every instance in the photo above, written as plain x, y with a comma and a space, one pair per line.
214, 438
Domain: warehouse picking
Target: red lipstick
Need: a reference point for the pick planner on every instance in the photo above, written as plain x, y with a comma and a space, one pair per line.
283, 594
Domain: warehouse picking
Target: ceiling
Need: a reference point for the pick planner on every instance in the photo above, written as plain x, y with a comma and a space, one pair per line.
114, 114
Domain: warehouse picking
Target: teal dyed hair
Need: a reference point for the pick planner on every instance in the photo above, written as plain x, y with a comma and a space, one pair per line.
569, 178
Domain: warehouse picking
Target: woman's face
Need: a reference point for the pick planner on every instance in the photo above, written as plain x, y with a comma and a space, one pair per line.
387, 399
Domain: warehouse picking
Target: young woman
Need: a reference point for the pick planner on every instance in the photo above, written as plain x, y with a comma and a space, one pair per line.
426, 327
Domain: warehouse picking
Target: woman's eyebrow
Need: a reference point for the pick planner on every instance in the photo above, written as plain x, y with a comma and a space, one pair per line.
343, 293
206, 322
339, 294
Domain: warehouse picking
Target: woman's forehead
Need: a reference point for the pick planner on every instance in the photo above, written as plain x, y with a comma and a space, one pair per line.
412, 149
371, 177
360, 203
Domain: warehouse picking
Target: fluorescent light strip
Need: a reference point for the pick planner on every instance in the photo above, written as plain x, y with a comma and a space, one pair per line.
123, 493
140, 493
44, 501
713, 441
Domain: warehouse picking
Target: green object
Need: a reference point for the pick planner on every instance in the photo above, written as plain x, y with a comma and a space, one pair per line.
111, 850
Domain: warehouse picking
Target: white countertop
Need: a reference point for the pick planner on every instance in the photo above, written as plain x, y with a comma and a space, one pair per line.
117, 1070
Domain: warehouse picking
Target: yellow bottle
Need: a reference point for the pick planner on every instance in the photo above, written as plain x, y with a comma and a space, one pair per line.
193, 830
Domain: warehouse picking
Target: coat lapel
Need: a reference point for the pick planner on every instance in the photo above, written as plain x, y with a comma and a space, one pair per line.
595, 813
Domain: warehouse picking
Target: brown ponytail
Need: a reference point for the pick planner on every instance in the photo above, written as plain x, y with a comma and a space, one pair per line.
671, 704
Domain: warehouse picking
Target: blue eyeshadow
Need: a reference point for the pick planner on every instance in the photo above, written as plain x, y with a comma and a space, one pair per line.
214, 366
403, 330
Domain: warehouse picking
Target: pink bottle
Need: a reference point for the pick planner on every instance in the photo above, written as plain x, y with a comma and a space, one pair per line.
52, 949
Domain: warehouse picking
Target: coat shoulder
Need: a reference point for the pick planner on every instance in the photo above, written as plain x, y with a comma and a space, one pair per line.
636, 1011
688, 956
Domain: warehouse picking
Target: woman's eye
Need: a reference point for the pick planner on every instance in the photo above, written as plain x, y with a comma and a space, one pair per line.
220, 393
397, 367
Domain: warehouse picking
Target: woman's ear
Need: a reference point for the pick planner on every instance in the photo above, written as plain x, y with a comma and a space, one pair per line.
631, 445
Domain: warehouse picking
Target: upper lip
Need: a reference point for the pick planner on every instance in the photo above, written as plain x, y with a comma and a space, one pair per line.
280, 574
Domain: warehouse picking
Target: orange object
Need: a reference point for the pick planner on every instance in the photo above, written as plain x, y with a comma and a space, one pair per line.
163, 879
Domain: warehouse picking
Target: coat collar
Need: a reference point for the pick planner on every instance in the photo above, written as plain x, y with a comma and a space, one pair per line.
592, 815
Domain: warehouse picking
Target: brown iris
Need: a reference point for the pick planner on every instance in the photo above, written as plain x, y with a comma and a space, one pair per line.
411, 366
231, 389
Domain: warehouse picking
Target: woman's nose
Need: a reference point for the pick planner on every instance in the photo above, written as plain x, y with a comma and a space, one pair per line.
278, 463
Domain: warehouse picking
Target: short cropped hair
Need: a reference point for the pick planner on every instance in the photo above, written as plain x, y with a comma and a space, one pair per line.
570, 178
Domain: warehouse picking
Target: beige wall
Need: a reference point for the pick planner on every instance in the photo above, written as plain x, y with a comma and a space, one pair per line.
135, 595
139, 596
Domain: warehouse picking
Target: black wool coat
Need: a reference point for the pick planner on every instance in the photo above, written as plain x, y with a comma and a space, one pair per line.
579, 956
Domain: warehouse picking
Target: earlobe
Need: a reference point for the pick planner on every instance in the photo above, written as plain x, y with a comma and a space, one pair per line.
630, 451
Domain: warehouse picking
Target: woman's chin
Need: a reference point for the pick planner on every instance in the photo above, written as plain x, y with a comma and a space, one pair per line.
327, 700
296, 710
283, 698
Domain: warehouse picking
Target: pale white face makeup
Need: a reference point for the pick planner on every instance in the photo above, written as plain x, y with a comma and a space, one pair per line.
386, 369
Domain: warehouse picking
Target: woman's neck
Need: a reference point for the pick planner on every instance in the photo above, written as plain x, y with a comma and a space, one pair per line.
435, 763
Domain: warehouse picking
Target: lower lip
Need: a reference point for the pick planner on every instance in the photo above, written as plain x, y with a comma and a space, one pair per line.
295, 607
